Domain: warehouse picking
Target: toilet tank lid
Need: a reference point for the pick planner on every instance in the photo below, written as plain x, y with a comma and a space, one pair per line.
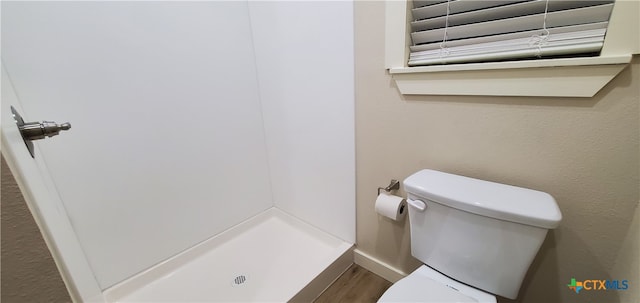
490, 199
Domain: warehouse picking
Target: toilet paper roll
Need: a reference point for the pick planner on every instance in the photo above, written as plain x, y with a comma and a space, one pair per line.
390, 206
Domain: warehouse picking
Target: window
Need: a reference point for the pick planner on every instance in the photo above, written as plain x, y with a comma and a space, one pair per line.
445, 31
575, 76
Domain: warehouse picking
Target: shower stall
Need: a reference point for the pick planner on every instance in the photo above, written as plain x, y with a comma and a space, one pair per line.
211, 152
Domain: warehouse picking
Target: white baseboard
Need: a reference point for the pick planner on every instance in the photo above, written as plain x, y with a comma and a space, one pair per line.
378, 267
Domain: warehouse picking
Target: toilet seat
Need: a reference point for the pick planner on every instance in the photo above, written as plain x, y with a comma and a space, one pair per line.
428, 285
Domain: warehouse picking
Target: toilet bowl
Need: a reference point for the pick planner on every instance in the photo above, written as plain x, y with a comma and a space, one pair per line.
427, 285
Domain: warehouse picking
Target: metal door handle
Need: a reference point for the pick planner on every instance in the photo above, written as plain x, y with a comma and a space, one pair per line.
37, 130
40, 130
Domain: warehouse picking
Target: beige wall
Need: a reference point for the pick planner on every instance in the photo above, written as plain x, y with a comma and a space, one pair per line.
584, 152
28, 271
628, 260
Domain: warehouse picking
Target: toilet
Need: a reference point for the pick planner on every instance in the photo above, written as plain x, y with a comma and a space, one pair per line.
476, 239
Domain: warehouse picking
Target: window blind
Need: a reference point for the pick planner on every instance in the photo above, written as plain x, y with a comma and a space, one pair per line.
462, 31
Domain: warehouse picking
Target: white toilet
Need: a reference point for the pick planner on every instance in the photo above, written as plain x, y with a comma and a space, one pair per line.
476, 238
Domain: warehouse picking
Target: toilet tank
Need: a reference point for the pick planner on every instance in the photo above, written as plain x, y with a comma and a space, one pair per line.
481, 233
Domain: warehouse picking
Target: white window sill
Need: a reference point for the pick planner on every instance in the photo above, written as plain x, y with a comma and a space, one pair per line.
573, 77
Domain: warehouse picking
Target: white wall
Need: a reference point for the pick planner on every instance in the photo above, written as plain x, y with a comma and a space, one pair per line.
167, 144
304, 55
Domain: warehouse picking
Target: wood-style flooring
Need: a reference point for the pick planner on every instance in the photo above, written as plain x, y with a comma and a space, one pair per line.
355, 285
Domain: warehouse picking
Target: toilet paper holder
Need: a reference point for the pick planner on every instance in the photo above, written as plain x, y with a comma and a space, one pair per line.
393, 185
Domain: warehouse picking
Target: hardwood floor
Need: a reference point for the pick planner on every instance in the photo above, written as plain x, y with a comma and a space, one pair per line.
355, 285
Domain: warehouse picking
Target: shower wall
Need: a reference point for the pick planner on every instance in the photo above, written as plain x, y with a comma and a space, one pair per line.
181, 129
167, 146
168, 142
304, 54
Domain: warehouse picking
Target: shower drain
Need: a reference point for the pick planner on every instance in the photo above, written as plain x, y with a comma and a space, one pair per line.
239, 280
